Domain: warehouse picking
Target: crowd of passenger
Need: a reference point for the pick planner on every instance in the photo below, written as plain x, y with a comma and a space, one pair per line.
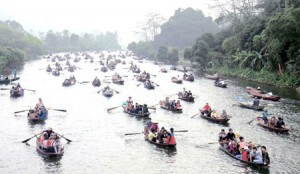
171, 104
39, 112
207, 111
156, 135
17, 90
49, 141
135, 108
237, 146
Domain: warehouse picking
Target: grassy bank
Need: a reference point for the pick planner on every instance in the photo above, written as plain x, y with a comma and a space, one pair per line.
262, 76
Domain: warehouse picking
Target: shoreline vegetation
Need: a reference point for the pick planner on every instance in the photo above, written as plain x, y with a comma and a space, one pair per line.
258, 42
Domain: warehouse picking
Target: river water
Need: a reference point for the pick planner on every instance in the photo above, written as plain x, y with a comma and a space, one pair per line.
99, 144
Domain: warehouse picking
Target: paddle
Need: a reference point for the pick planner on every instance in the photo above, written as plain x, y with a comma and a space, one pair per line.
139, 84
21, 111
96, 69
152, 108
99, 91
194, 115
143, 132
30, 90
65, 138
84, 82
4, 88
109, 109
116, 91
252, 120
61, 110
25, 141
155, 84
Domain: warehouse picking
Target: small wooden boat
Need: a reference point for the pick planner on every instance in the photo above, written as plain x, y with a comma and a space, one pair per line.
251, 106
185, 98
16, 93
221, 85
189, 78
77, 59
104, 69
261, 122
173, 67
49, 69
117, 79
8, 80
69, 82
34, 118
216, 120
176, 80
44, 153
149, 85
140, 115
163, 145
141, 78
108, 92
163, 70
55, 73
211, 77
163, 106
260, 94
96, 83
246, 162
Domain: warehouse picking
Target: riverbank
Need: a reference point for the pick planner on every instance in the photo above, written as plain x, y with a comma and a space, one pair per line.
263, 77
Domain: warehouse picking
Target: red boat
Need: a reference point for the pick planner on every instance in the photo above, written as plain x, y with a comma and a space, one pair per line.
260, 94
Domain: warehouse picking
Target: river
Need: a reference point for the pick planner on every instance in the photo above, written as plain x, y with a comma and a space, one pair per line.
99, 144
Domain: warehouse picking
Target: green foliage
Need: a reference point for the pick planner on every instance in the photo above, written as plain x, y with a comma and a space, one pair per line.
182, 28
10, 58
13, 35
230, 44
66, 41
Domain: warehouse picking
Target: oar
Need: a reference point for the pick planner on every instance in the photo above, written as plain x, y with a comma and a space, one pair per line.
143, 132
30, 90
252, 120
155, 84
116, 91
153, 105
194, 115
84, 82
99, 91
109, 109
21, 111
65, 138
25, 141
96, 69
4, 88
61, 110
152, 108
139, 84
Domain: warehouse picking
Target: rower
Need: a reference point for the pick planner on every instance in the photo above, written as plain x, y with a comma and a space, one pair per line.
40, 104
256, 102
171, 137
265, 116
280, 123
206, 110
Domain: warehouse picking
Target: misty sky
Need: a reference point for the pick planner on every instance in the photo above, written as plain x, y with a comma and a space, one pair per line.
91, 15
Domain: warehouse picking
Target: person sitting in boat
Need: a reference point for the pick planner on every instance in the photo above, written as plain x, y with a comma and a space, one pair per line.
155, 127
242, 142
273, 121
49, 143
214, 114
145, 109
42, 141
222, 136
177, 105
172, 105
152, 135
265, 116
167, 102
255, 156
206, 110
148, 125
171, 137
265, 155
56, 144
224, 114
245, 155
161, 135
230, 135
256, 102
189, 94
280, 123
